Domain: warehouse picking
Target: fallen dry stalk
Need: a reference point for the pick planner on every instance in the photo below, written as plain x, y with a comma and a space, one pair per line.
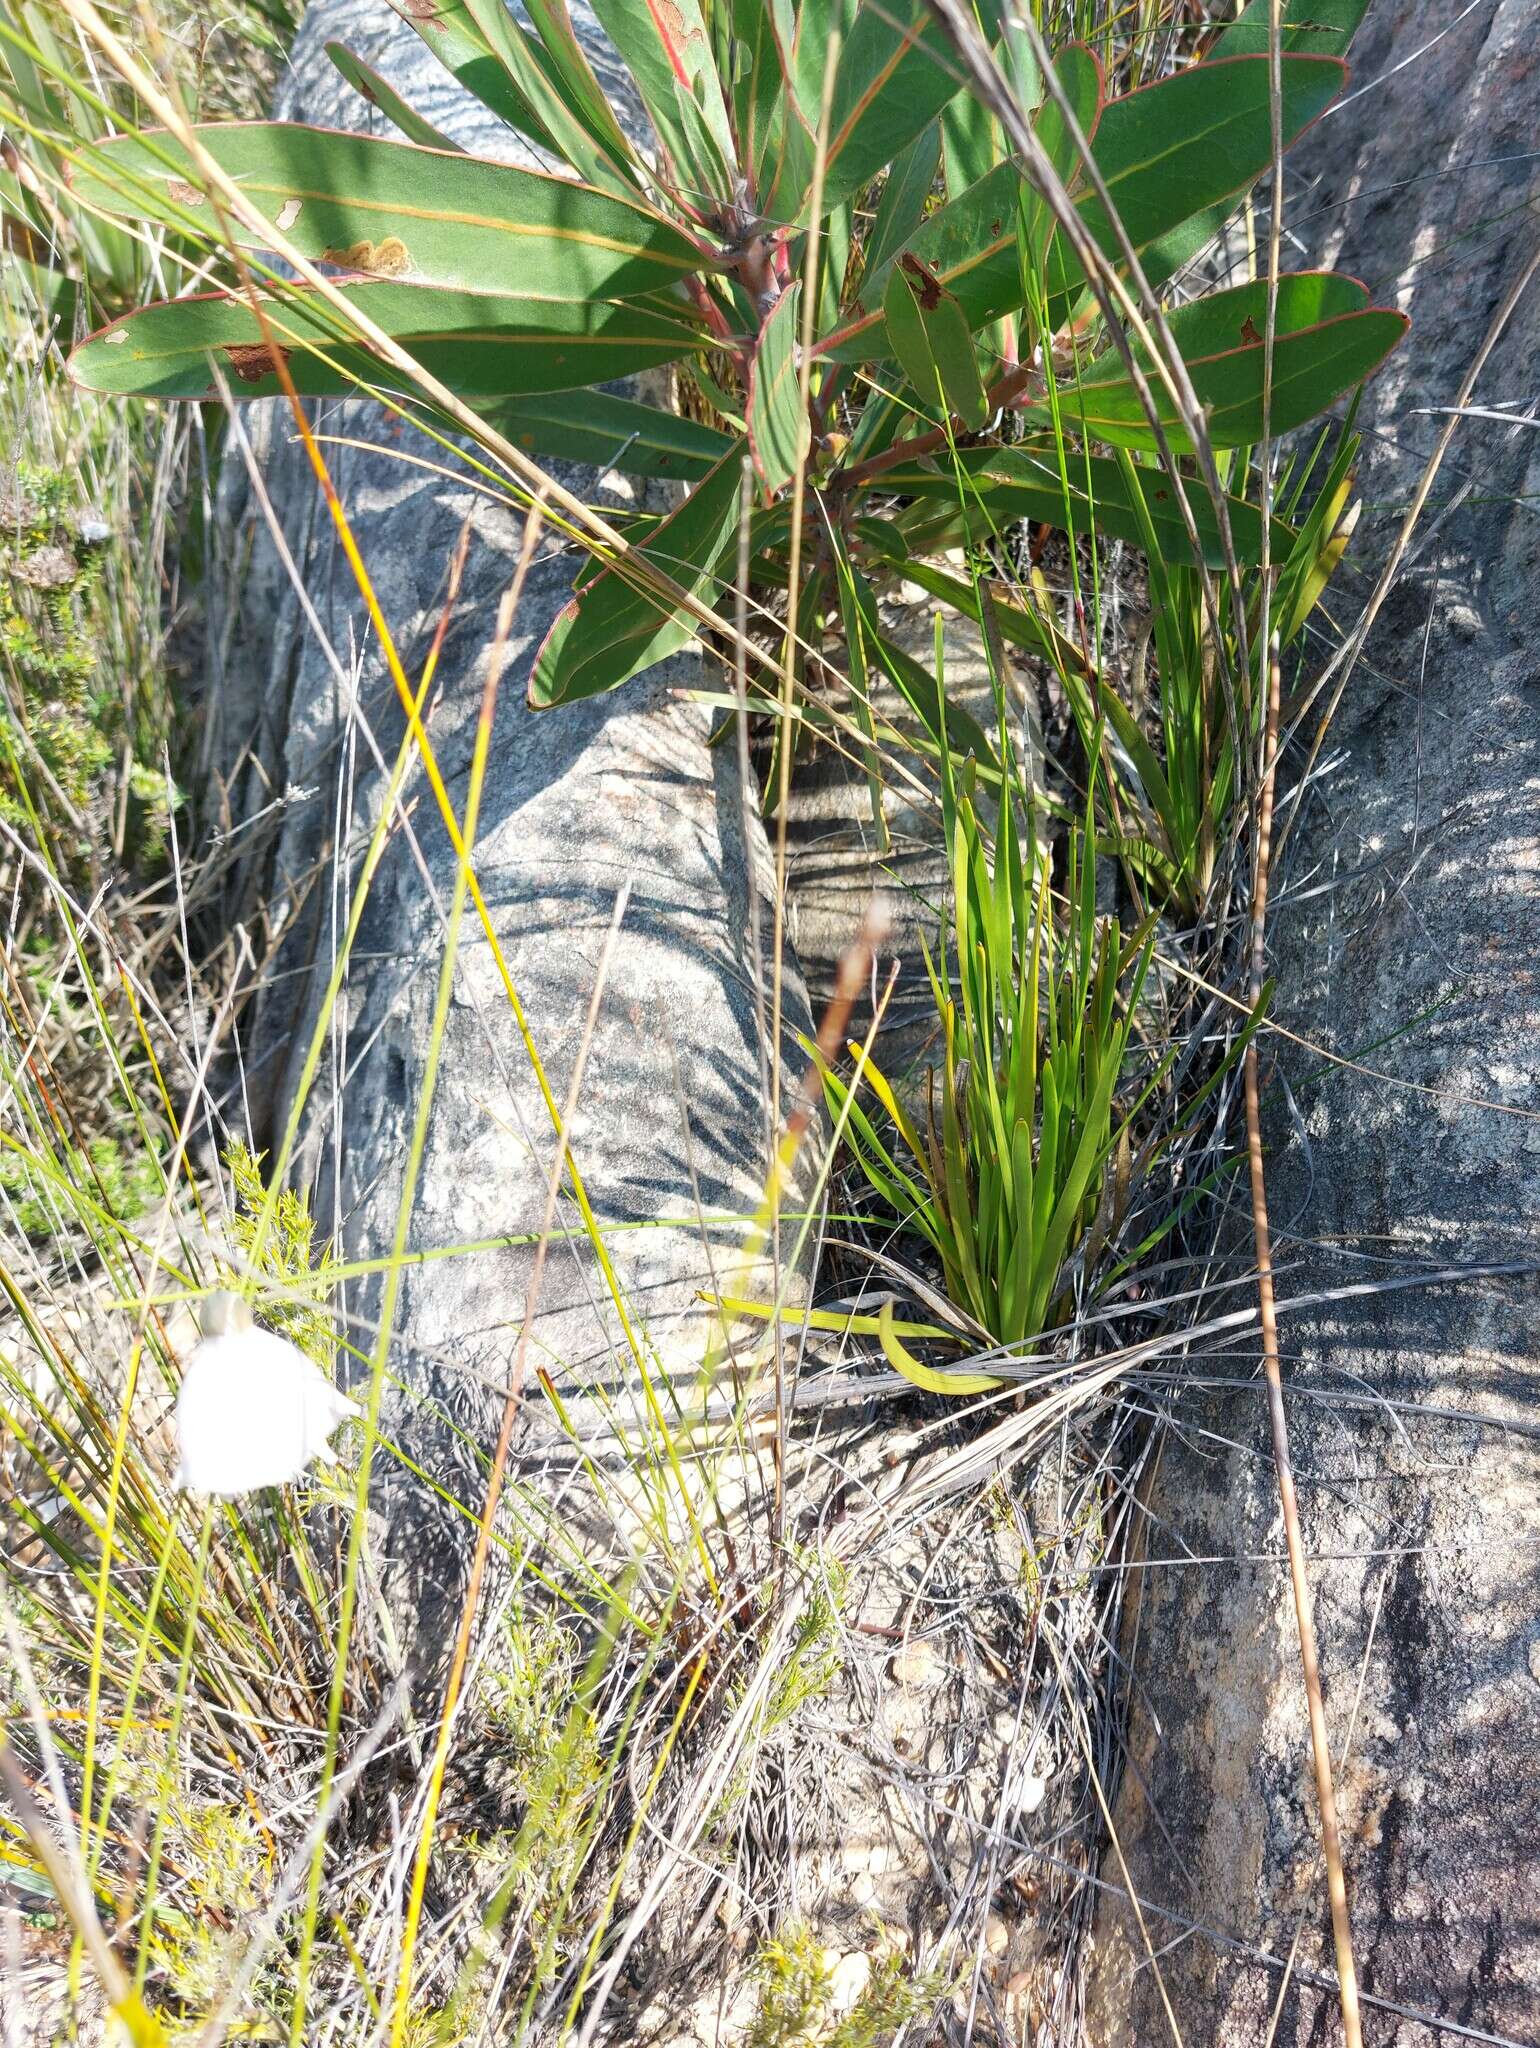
1331, 1839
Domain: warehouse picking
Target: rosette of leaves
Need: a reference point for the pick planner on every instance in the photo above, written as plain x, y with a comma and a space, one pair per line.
931, 363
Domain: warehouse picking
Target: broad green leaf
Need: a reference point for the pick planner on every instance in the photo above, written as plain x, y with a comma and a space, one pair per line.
929, 333
1001, 485
803, 34
1313, 28
972, 245
1221, 342
613, 433
477, 343
901, 209
968, 247
1175, 154
392, 209
971, 140
611, 630
379, 92
896, 71
667, 50
1236, 316
778, 426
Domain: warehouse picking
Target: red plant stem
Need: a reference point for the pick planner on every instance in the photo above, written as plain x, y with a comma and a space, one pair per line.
1006, 391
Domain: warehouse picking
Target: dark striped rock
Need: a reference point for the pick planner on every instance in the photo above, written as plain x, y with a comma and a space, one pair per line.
1406, 934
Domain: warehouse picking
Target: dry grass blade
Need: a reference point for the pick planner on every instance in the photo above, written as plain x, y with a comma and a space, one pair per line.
1331, 1834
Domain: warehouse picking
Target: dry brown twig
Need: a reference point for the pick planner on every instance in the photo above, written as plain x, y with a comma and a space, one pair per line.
1320, 1746
1331, 1838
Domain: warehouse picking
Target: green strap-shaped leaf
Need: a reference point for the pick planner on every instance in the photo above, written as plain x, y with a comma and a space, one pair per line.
609, 432
379, 92
896, 71
1080, 76
454, 37
793, 43
972, 245
1327, 341
757, 81
949, 726
612, 629
930, 1379
901, 209
392, 209
574, 76
594, 147
778, 426
929, 334
667, 50
478, 344
1001, 485
1177, 153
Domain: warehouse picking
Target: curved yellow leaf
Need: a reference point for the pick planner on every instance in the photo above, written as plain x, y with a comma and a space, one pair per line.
926, 1377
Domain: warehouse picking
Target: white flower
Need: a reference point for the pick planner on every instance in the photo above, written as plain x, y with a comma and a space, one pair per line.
253, 1410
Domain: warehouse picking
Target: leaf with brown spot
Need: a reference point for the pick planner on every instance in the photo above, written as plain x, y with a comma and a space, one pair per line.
387, 258
926, 284
469, 222
252, 361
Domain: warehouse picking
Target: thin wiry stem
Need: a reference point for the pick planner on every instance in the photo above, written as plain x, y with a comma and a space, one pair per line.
1331, 1839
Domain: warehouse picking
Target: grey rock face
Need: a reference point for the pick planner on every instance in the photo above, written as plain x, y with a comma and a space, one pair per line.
1406, 935
577, 803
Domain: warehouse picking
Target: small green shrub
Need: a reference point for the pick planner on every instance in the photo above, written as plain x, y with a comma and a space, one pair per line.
795, 2000
284, 1252
553, 1770
123, 1184
62, 723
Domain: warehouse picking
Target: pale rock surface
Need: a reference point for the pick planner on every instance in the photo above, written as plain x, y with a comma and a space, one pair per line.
578, 802
1406, 934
